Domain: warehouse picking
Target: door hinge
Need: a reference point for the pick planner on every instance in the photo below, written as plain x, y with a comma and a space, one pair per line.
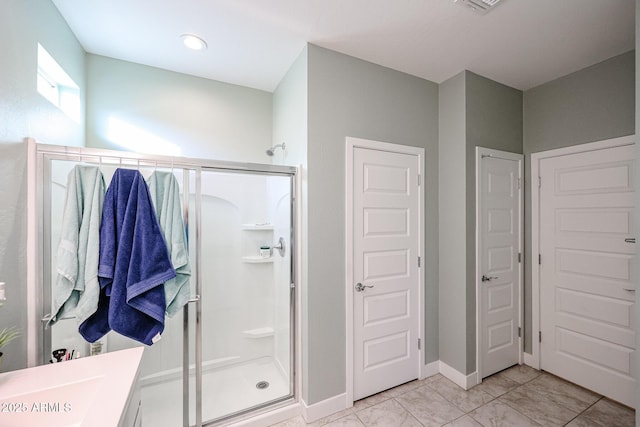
519, 332
539, 336
419, 180
419, 344
519, 183
539, 182
539, 259
418, 262
519, 257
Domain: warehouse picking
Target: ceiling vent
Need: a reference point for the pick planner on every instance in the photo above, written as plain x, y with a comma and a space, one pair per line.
480, 6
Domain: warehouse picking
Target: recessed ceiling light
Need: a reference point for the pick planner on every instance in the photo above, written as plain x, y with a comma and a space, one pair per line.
193, 42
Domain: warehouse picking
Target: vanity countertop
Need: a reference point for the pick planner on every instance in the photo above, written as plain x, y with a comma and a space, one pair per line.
91, 391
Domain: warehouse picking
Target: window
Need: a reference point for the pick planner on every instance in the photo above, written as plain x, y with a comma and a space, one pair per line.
56, 86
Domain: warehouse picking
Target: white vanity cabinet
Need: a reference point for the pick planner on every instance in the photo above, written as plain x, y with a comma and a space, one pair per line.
97, 391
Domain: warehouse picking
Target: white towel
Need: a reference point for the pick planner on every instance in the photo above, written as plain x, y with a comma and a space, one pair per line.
76, 286
165, 195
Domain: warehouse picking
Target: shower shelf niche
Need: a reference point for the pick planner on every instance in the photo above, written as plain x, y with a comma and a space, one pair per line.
256, 259
257, 227
265, 332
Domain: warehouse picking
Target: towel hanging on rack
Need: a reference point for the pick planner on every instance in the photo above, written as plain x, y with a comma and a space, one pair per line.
76, 287
165, 195
134, 263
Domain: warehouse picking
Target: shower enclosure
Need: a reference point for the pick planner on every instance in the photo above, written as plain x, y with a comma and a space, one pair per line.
230, 352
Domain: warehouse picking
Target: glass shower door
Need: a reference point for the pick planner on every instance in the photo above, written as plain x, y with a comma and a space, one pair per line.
230, 351
161, 376
246, 292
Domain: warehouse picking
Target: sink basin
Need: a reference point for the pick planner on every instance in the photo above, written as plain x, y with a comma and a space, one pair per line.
92, 391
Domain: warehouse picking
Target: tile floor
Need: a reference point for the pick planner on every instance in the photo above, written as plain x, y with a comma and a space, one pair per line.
518, 396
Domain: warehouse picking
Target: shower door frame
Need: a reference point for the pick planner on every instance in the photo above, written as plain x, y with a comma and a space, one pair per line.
40, 157
254, 169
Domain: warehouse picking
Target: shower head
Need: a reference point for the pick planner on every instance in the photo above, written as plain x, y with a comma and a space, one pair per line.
272, 150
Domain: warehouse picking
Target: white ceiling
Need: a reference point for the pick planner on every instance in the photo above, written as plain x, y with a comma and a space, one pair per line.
521, 43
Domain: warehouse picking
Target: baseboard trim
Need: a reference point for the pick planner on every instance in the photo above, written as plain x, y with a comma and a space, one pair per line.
272, 417
464, 381
529, 360
339, 402
430, 369
324, 408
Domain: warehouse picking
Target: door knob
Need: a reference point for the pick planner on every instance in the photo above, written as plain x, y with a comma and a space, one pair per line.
488, 279
360, 287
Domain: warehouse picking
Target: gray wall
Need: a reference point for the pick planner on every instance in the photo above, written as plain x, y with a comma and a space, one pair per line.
474, 111
452, 223
494, 116
208, 119
24, 113
290, 126
350, 97
589, 105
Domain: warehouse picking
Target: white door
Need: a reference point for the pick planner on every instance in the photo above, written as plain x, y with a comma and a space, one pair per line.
385, 270
586, 286
500, 268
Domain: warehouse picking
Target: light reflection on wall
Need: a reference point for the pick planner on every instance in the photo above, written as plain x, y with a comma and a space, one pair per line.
56, 86
134, 138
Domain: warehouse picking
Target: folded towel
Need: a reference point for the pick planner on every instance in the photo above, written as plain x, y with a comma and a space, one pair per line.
76, 287
165, 195
134, 263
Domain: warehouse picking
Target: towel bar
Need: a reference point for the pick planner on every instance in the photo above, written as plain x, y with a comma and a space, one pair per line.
46, 318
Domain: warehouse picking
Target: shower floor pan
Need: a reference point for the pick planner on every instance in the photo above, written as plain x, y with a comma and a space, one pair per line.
225, 391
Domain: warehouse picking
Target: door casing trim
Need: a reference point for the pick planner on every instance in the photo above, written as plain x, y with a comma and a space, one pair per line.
480, 153
533, 359
351, 145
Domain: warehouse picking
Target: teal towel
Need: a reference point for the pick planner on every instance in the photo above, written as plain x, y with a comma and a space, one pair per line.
76, 286
165, 195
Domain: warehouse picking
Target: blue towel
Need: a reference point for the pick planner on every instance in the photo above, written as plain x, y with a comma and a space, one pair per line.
134, 263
